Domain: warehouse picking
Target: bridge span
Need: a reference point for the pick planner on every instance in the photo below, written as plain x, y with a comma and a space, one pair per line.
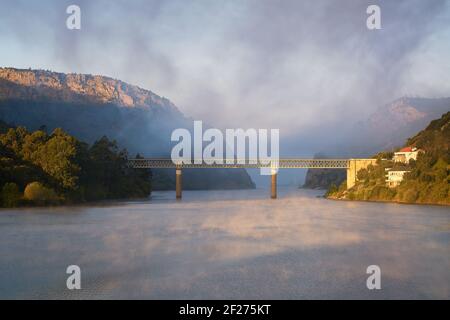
351, 165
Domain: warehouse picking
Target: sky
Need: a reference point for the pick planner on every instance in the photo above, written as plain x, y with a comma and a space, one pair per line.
304, 67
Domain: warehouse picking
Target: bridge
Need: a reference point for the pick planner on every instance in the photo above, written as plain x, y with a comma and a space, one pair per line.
351, 165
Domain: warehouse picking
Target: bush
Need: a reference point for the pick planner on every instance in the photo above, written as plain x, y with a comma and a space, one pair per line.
38, 193
333, 189
410, 195
367, 194
343, 186
10, 195
386, 193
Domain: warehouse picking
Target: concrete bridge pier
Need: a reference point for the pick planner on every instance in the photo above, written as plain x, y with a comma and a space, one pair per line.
273, 185
354, 165
178, 183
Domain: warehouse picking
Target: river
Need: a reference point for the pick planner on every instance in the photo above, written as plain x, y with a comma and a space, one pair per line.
226, 245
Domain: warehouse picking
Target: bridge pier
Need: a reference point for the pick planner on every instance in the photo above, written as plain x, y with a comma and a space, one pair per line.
178, 183
354, 165
273, 185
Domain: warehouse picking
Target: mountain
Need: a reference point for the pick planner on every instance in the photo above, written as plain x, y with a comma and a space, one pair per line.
387, 128
392, 123
43, 85
89, 106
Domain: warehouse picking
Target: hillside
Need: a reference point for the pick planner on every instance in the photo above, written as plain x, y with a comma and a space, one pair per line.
88, 106
427, 179
386, 129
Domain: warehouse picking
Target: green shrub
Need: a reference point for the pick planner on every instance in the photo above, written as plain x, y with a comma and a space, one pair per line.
386, 193
343, 186
367, 194
332, 190
410, 195
38, 193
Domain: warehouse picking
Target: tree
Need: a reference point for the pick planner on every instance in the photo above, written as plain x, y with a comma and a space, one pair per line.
13, 138
57, 158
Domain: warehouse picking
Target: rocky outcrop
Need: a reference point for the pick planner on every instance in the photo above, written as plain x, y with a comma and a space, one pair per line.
323, 178
77, 88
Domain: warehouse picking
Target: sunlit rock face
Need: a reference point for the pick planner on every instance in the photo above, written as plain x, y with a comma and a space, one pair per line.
77, 88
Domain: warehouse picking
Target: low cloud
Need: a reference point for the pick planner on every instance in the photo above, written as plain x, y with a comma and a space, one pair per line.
305, 67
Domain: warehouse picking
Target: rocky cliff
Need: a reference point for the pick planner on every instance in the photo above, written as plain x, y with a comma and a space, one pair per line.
41, 85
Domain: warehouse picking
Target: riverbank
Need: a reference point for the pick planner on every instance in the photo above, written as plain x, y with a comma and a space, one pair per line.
387, 201
86, 203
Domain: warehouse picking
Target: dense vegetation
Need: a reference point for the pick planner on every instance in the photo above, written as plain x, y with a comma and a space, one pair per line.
38, 168
429, 177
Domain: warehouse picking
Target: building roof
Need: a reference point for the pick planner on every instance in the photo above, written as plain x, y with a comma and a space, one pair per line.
406, 149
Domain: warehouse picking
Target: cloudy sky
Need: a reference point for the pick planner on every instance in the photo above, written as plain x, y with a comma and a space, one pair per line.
299, 66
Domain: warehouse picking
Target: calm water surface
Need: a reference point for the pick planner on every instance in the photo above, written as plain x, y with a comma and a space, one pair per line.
226, 245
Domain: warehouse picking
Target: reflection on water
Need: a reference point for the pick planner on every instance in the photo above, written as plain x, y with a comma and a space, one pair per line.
226, 244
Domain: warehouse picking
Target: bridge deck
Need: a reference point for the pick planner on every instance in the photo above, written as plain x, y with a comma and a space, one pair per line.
281, 163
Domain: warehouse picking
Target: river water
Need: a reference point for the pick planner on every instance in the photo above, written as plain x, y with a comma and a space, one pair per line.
226, 245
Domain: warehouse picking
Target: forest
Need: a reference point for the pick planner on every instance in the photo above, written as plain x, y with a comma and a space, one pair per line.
41, 168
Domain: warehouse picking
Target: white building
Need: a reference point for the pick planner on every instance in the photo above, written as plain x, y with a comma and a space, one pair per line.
406, 154
394, 177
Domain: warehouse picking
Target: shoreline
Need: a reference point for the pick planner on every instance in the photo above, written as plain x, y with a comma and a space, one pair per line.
387, 201
108, 201
100, 203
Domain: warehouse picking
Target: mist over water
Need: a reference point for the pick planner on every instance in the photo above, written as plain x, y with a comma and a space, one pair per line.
226, 244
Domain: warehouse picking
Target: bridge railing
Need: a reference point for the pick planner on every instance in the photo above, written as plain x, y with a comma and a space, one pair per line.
285, 163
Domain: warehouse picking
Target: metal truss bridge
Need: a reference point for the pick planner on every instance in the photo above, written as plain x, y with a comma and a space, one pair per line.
247, 163
351, 165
